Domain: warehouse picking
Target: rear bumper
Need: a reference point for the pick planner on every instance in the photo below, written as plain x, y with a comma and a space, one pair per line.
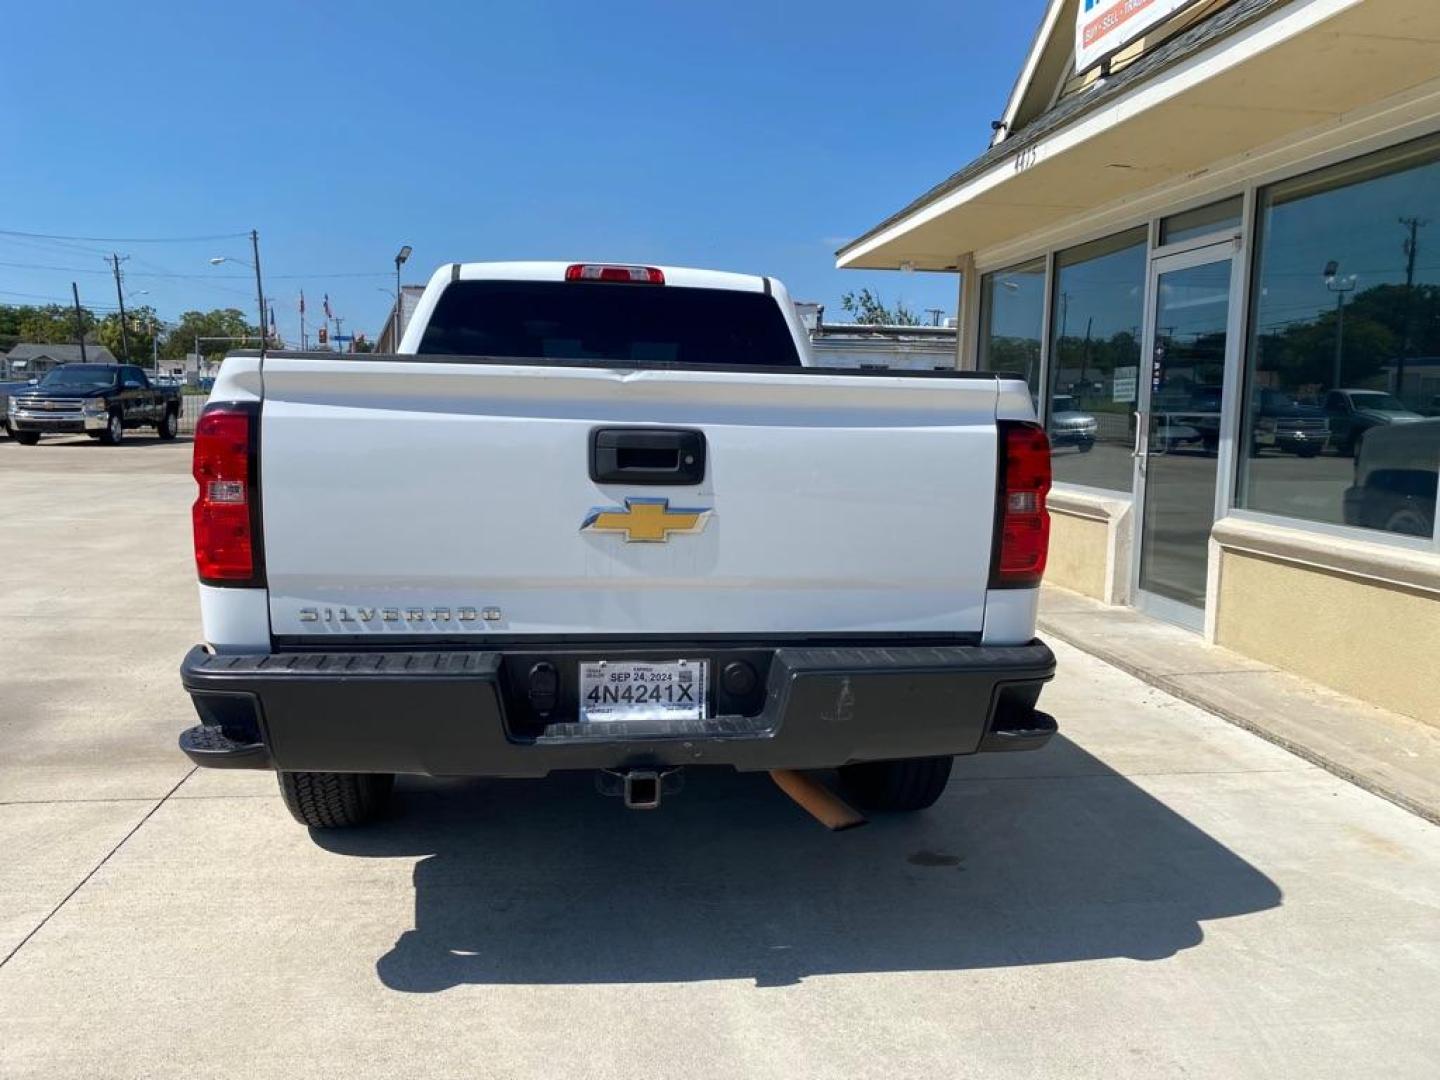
456, 712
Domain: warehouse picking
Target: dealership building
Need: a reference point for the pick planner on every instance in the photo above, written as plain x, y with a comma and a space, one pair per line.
1208, 235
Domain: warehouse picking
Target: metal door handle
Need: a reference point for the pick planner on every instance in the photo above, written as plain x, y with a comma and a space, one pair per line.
1142, 439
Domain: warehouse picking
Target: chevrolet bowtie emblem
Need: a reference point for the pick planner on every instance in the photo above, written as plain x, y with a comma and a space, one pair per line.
649, 521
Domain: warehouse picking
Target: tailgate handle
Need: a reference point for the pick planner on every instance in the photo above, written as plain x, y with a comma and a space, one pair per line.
647, 456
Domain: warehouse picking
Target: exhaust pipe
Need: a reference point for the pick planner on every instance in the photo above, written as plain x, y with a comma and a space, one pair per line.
818, 800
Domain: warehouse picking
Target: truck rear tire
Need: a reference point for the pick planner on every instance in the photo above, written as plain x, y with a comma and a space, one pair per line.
325, 800
904, 786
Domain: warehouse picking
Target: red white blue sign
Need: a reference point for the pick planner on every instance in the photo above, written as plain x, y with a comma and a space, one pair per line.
1103, 26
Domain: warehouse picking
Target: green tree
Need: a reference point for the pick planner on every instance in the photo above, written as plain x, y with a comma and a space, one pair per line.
142, 324
49, 324
1383, 325
867, 307
222, 323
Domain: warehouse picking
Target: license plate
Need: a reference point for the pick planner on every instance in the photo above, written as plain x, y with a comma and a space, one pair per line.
642, 690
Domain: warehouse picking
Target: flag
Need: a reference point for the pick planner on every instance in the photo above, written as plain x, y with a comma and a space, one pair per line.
302, 301
327, 307
272, 320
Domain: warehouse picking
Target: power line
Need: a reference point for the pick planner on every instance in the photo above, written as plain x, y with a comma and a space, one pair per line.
198, 276
65, 269
128, 239
53, 299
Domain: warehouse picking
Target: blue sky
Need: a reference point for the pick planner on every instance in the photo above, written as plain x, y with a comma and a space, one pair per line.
741, 136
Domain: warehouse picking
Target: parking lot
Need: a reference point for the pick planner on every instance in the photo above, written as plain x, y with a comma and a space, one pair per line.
1157, 893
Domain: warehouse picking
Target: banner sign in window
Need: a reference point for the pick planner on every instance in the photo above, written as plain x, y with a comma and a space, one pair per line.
1102, 26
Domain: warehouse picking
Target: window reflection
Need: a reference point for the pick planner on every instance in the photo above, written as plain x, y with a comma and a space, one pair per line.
1012, 313
1342, 420
1202, 221
1095, 360
1192, 314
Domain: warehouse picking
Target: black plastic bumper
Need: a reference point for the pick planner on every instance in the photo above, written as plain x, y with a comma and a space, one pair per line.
444, 713
50, 427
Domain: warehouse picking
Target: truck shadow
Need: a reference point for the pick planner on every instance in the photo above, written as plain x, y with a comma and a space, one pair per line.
1034, 859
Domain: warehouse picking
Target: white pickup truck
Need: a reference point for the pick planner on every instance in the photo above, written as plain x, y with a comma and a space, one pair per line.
610, 517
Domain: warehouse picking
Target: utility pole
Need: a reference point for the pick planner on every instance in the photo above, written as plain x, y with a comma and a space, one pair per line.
259, 288
1411, 246
79, 320
339, 345
115, 261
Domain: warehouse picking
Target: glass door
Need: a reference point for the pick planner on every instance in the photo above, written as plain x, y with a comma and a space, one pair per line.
1177, 443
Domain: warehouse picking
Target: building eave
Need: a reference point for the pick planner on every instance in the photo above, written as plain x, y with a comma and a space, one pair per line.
1206, 82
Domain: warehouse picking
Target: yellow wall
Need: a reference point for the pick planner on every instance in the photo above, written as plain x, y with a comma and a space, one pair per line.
1374, 641
1077, 554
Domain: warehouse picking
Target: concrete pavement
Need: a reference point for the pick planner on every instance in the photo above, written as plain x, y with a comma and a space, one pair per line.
1157, 894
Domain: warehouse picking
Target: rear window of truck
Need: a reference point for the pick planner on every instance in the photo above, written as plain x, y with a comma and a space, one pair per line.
641, 324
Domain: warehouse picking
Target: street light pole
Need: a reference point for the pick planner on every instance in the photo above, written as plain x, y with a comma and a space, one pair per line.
1339, 286
216, 260
400, 257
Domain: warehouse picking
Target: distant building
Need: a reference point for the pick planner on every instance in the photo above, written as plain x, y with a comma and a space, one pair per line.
389, 339
27, 360
913, 348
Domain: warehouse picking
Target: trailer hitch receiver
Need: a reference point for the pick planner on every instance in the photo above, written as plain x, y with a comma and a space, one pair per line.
641, 789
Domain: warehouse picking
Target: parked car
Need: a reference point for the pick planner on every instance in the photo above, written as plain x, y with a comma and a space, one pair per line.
1070, 426
1354, 412
1396, 471
1280, 422
1205, 415
617, 521
100, 400
1185, 417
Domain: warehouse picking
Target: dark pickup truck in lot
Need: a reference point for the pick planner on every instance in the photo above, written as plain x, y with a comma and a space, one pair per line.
99, 400
1282, 423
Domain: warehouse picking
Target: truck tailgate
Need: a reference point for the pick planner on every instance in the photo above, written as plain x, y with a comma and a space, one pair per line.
411, 498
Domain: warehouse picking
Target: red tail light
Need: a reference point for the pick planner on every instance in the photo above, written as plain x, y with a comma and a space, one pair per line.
632, 275
226, 512
1022, 524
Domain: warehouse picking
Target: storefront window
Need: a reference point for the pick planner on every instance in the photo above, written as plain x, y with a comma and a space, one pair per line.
1202, 221
1095, 360
1012, 317
1342, 409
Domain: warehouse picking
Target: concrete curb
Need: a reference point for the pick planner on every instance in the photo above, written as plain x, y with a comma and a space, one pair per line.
1394, 757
